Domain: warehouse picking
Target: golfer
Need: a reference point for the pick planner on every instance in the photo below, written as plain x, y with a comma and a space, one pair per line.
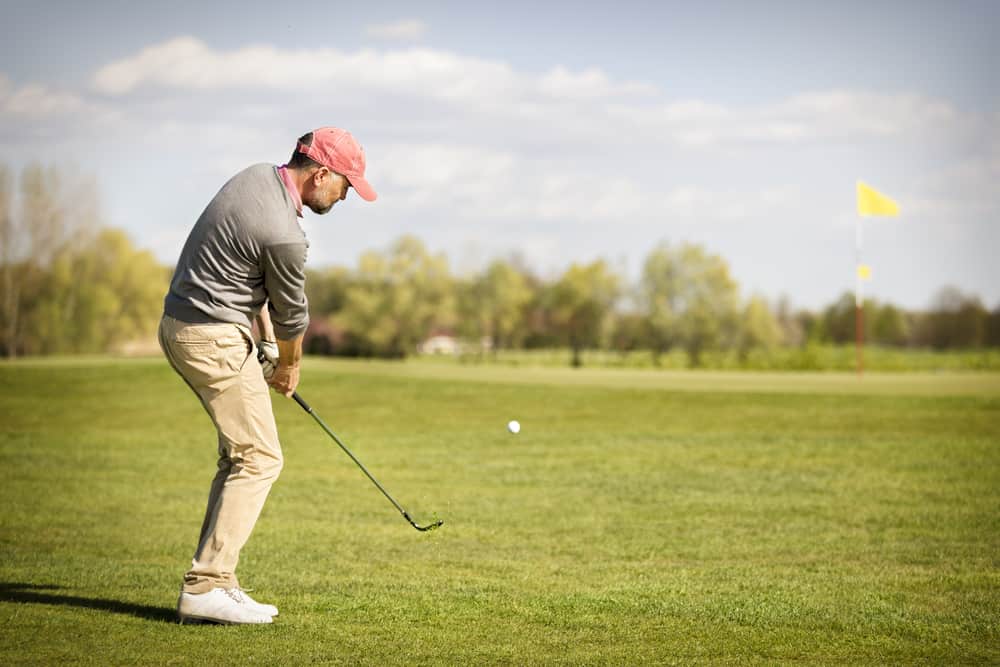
243, 261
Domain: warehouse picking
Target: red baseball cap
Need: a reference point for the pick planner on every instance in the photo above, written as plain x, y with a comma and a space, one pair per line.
336, 149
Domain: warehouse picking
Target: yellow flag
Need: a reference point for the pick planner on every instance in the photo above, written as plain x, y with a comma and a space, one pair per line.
873, 202
864, 272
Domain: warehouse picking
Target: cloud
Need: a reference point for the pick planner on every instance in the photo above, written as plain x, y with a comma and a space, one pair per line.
833, 115
187, 63
559, 105
561, 83
409, 29
463, 136
35, 99
496, 186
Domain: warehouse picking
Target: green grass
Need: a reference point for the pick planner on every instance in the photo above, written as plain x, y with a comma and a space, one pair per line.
639, 518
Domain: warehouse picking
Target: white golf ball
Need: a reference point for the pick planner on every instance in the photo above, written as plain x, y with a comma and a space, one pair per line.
513, 426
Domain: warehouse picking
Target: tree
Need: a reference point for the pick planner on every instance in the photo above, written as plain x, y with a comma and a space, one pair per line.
793, 326
689, 299
889, 326
397, 298
326, 290
955, 320
10, 298
759, 328
629, 332
993, 328
56, 213
839, 319
499, 298
540, 330
579, 304
98, 296
133, 283
812, 326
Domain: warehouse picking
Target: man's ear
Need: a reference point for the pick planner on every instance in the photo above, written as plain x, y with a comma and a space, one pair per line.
317, 177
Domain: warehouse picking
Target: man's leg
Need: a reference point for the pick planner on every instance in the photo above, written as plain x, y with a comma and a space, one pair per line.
255, 461
217, 362
225, 466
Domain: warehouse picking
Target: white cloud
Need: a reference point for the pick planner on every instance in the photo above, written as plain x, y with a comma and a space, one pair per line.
407, 29
429, 176
561, 83
35, 99
488, 104
835, 115
871, 114
188, 63
558, 103
497, 186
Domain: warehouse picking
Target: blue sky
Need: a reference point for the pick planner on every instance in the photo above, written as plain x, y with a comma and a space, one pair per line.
560, 131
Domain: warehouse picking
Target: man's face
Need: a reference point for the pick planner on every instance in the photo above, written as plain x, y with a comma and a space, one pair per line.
328, 188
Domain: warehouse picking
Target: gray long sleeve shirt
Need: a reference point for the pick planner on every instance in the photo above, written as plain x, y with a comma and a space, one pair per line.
246, 248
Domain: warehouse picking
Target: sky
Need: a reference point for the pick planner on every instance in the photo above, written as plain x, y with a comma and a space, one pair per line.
560, 132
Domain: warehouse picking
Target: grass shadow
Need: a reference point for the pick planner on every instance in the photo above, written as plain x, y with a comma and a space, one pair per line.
37, 594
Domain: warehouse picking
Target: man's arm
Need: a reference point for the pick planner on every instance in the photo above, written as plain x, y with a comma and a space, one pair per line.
284, 281
264, 325
286, 373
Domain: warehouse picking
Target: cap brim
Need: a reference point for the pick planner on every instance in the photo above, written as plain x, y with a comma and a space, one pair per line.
363, 188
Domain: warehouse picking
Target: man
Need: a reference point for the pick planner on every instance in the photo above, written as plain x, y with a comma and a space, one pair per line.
246, 250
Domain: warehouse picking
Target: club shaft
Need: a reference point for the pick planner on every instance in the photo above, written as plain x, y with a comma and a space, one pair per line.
305, 406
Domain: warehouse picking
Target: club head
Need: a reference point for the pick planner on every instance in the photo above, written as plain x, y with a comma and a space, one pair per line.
430, 526
422, 529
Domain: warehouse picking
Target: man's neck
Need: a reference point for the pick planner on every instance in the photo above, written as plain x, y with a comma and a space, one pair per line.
295, 182
299, 178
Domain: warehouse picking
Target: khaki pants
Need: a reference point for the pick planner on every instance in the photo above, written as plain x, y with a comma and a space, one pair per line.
217, 361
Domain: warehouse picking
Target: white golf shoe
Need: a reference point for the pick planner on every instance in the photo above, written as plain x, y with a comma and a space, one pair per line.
244, 596
220, 605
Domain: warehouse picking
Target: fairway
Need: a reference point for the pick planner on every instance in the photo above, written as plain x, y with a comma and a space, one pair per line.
638, 518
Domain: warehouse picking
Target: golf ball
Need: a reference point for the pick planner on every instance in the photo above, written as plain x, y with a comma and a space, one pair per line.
513, 426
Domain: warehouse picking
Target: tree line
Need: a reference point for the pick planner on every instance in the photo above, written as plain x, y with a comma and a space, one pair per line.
69, 285
685, 299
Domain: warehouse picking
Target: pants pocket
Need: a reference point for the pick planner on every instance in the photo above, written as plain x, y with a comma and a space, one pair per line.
235, 349
211, 355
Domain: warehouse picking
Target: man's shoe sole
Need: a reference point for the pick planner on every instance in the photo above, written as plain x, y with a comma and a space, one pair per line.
196, 620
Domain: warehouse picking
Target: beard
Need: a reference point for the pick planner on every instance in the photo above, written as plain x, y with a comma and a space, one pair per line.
317, 206
318, 210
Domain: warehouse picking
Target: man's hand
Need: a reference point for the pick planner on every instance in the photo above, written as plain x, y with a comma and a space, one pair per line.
267, 355
285, 379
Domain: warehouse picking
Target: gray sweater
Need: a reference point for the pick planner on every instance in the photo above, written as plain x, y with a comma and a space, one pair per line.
246, 248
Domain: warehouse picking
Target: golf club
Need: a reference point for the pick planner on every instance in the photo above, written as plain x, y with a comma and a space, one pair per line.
406, 515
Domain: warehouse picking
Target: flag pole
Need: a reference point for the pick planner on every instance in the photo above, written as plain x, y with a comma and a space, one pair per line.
859, 304
870, 202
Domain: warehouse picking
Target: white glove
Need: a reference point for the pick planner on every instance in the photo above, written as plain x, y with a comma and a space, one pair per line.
267, 355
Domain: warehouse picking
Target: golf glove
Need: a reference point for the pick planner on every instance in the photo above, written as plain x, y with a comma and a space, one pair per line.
267, 355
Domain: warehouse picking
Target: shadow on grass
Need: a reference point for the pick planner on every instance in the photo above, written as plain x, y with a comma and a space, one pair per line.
35, 593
